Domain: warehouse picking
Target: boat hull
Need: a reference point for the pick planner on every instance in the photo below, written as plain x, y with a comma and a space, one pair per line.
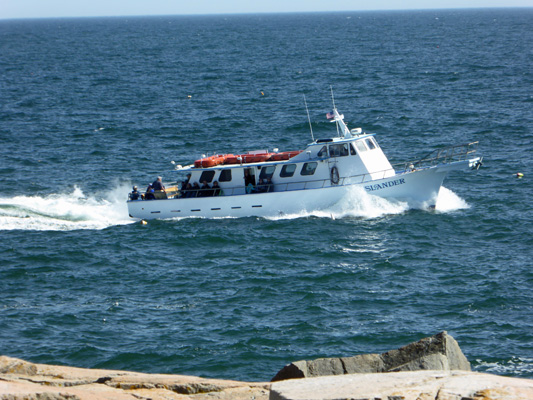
420, 188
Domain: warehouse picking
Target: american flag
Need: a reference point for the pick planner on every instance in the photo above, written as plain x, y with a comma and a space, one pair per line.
330, 115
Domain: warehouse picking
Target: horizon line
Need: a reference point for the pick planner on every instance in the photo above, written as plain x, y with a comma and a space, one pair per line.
264, 13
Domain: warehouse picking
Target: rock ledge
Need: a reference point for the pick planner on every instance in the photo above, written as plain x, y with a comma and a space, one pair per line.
440, 352
21, 380
411, 385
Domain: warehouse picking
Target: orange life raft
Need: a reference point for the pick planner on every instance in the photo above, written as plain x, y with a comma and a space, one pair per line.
210, 161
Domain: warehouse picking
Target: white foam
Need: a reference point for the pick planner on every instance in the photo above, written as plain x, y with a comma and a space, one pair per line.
448, 201
514, 366
356, 203
75, 210
64, 212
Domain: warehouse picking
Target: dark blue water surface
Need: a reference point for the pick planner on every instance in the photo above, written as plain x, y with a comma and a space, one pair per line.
89, 107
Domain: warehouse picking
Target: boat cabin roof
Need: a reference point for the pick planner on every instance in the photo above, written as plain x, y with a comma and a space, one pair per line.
299, 156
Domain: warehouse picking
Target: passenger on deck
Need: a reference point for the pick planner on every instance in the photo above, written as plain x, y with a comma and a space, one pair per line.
217, 191
269, 185
261, 186
158, 184
185, 182
195, 189
249, 182
134, 195
149, 195
205, 190
187, 192
247, 178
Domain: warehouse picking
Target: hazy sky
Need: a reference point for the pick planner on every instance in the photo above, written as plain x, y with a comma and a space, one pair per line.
86, 8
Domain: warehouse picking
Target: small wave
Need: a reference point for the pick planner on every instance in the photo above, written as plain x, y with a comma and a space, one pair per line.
64, 212
516, 366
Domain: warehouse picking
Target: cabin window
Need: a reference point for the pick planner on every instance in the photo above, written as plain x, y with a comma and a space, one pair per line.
225, 175
207, 176
287, 171
323, 152
352, 150
370, 144
308, 168
375, 142
360, 146
267, 172
338, 150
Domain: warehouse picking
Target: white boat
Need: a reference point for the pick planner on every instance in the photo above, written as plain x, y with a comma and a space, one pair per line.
263, 183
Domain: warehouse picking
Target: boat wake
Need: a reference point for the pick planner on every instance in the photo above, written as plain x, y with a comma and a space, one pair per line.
359, 204
64, 212
76, 210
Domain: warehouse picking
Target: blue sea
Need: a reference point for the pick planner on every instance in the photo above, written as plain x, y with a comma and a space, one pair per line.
89, 107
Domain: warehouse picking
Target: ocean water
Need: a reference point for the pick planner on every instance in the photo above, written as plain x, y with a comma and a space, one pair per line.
89, 107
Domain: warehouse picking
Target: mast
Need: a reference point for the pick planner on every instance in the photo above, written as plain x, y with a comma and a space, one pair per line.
339, 119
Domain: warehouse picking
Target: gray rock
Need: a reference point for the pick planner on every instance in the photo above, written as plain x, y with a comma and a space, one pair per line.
363, 364
439, 352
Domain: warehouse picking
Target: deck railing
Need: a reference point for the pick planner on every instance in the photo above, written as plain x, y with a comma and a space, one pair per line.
445, 155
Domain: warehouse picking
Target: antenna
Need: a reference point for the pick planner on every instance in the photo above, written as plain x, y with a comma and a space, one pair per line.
335, 111
309, 119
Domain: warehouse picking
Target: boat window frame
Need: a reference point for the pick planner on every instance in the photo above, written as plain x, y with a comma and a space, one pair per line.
323, 152
352, 150
308, 172
222, 177
267, 175
208, 173
339, 150
360, 146
370, 144
284, 174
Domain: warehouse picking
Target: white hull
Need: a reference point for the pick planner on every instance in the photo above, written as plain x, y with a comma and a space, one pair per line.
419, 188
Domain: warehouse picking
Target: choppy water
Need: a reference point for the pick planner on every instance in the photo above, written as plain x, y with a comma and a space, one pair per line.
90, 106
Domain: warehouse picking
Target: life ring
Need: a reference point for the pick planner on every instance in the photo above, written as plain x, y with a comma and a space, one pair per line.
334, 175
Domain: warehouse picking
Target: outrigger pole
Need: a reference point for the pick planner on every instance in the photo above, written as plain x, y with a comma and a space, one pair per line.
309, 119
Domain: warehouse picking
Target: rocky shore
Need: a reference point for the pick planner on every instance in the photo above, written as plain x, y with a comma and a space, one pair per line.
21, 380
433, 368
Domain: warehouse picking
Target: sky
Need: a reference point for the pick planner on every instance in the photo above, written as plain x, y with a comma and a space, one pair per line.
92, 8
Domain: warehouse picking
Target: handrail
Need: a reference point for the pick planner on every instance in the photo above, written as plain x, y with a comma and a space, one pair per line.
444, 155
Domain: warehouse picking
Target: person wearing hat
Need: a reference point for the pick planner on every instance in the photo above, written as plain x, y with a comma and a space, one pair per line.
134, 195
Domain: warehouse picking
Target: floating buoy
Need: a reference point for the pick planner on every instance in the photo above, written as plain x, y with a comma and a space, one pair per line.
189, 97
519, 175
262, 94
144, 222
